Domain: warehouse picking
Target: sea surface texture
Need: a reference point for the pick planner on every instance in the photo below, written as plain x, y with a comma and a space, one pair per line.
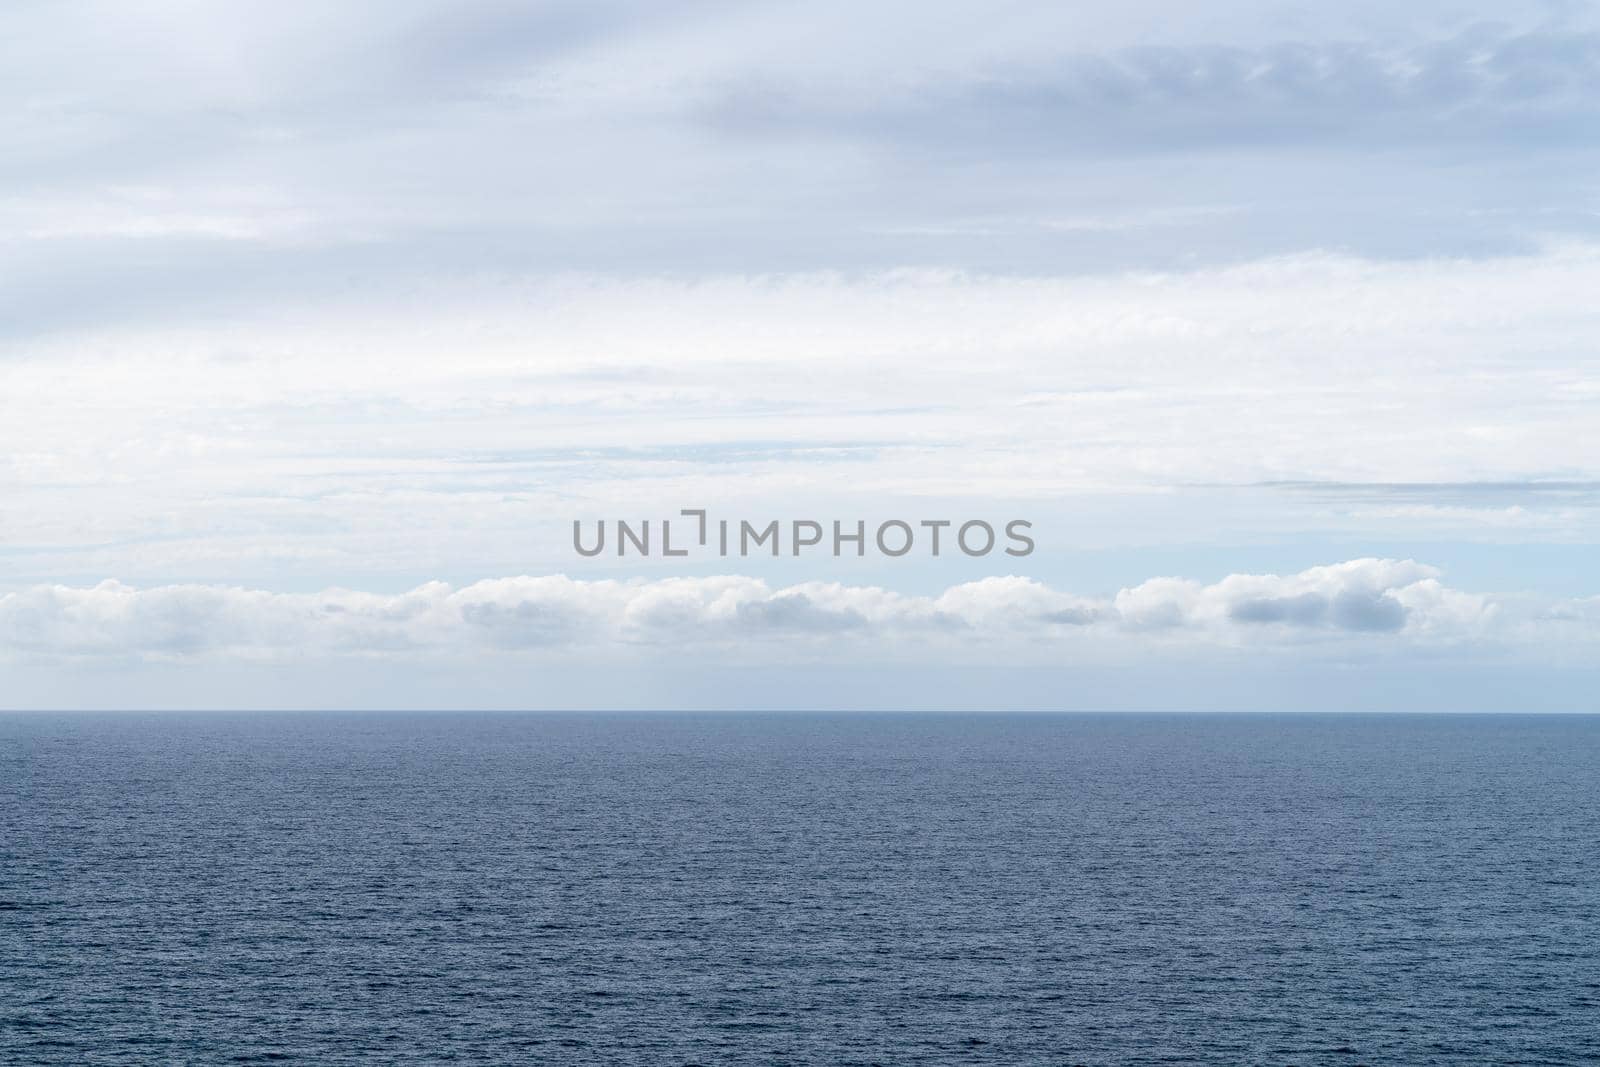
792, 889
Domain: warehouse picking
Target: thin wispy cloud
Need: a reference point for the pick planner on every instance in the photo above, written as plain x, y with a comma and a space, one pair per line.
487, 417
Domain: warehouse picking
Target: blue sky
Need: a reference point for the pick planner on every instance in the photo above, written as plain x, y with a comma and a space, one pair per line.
318, 327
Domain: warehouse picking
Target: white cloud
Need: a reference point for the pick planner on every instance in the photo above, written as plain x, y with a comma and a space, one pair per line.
1397, 603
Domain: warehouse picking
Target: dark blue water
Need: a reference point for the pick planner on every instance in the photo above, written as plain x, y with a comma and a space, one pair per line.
791, 889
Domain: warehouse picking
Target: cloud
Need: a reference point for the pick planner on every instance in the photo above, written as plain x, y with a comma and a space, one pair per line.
1367, 599
352, 441
1486, 84
279, 152
374, 292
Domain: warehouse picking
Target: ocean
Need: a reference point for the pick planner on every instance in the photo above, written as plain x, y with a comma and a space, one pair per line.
799, 889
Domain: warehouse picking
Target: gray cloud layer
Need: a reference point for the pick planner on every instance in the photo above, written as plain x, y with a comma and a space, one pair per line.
164, 159
1487, 87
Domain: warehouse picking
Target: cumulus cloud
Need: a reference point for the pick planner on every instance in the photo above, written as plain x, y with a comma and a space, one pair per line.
1367, 599
1359, 596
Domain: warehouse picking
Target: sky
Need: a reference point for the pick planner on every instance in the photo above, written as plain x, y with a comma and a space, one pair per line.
321, 324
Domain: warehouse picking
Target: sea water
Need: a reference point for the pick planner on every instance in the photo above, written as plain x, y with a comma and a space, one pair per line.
800, 889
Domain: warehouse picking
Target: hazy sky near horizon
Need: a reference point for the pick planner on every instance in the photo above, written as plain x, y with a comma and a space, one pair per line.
319, 324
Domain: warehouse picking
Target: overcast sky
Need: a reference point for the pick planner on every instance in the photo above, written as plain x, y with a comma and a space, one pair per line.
320, 323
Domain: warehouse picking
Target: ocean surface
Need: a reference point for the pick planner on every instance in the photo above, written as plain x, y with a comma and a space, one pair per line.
799, 889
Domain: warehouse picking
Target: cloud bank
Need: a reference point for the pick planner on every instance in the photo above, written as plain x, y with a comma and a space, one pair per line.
1395, 603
